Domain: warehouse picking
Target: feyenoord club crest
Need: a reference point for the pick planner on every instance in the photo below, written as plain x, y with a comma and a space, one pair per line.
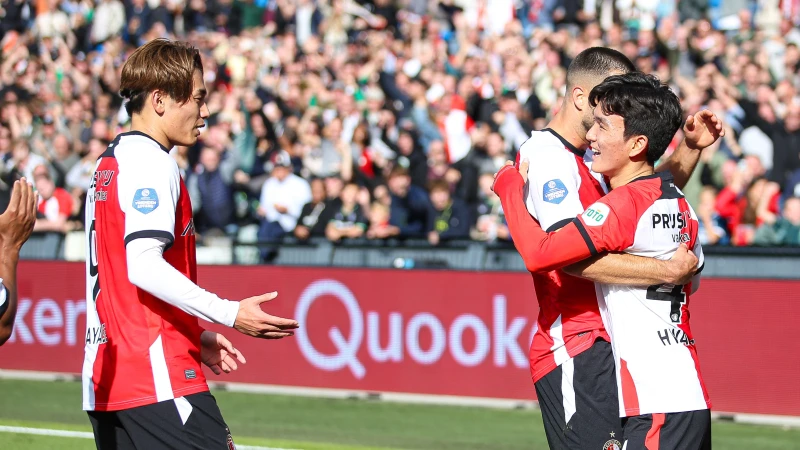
231, 445
612, 444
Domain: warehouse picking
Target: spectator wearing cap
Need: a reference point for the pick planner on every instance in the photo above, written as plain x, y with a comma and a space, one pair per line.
315, 214
55, 204
409, 204
448, 218
349, 220
282, 199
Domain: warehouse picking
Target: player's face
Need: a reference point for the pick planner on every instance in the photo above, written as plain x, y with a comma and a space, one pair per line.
607, 141
184, 120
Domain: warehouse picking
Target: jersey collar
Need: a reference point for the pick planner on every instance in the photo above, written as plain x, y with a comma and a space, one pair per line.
664, 175
140, 133
566, 143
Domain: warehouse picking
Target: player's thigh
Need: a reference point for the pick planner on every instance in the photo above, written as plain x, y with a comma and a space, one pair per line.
674, 431
109, 434
551, 403
205, 427
596, 420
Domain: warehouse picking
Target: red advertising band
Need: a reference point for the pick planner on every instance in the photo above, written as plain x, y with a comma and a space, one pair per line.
425, 332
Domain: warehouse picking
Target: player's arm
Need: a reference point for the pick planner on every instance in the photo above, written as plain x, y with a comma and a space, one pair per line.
16, 225
622, 268
700, 131
149, 228
541, 251
148, 195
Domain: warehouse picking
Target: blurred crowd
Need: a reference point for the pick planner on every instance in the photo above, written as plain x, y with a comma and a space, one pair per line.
378, 119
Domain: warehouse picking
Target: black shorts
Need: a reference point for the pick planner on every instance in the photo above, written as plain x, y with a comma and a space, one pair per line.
190, 422
579, 402
689, 430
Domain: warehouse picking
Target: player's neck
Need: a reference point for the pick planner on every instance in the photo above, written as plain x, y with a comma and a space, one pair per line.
142, 124
569, 128
630, 173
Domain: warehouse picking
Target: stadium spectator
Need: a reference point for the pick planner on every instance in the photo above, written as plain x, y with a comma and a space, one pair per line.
55, 203
349, 221
409, 207
490, 225
282, 199
784, 230
315, 215
317, 79
448, 218
212, 186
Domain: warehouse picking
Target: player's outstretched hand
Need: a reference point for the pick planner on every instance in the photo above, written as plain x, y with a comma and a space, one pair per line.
218, 353
702, 129
681, 267
16, 223
253, 321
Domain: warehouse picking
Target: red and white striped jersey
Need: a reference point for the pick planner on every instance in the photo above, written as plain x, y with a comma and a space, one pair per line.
649, 327
139, 349
560, 187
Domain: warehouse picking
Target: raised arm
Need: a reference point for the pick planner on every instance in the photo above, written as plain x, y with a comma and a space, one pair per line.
700, 131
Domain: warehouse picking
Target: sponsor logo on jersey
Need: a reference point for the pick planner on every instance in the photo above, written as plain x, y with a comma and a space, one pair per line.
596, 214
665, 221
145, 200
554, 191
612, 444
190, 374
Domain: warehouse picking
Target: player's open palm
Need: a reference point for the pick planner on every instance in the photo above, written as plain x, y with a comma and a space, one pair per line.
253, 321
218, 353
702, 129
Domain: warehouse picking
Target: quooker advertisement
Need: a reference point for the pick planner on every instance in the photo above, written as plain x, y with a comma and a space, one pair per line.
425, 332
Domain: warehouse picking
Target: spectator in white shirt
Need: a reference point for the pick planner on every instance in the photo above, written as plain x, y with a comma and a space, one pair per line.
282, 199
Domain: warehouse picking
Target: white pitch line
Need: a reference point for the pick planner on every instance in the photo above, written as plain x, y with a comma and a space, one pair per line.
88, 435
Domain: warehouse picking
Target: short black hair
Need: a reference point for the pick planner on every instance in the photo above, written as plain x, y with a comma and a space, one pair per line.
597, 62
647, 107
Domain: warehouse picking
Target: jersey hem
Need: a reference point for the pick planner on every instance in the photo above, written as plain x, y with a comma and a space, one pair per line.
638, 412
130, 404
573, 352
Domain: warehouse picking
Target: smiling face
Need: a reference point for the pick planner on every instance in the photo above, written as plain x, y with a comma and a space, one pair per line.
612, 152
183, 120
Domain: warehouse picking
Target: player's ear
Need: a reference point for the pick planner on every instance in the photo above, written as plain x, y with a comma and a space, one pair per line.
638, 147
159, 101
580, 98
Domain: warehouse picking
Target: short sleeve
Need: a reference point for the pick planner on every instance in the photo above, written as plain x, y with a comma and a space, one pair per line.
148, 194
3, 298
551, 194
701, 259
606, 228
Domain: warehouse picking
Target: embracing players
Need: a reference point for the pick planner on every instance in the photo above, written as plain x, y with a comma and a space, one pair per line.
143, 384
571, 359
660, 389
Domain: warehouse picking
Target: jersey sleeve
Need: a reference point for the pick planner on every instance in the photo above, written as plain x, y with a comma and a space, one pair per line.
3, 298
148, 195
609, 225
551, 194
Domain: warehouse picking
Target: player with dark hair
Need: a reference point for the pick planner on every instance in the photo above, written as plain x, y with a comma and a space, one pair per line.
571, 360
645, 214
143, 384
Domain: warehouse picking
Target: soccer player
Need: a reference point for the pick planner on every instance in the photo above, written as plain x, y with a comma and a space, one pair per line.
645, 214
16, 226
143, 385
571, 360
